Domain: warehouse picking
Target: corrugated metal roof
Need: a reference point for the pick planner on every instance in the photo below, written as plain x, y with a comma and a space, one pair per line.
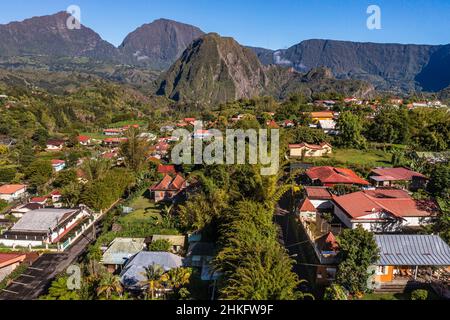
121, 249
133, 274
412, 250
42, 220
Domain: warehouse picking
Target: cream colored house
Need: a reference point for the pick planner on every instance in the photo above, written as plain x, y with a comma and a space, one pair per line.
309, 150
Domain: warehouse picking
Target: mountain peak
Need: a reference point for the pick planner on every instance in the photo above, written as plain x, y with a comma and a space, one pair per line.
159, 43
49, 35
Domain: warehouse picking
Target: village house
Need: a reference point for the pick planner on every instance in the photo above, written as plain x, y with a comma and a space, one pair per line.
353, 100
202, 134
133, 276
12, 192
328, 126
120, 251
330, 176
168, 188
114, 142
55, 145
58, 165
43, 227
398, 177
84, 141
408, 259
383, 210
39, 200
309, 150
20, 210
288, 124
113, 132
322, 115
56, 198
9, 262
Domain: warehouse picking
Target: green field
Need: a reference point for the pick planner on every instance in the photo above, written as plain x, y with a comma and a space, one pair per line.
373, 158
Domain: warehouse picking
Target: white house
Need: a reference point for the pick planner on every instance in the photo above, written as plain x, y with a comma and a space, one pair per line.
43, 227
11, 192
58, 165
382, 210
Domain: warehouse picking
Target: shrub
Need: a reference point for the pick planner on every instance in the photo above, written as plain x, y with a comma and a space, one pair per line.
419, 295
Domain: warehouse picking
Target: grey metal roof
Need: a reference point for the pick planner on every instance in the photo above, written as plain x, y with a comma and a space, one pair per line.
121, 249
42, 220
133, 275
412, 250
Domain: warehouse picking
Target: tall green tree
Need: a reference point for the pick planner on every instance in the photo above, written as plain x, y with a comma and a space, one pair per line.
357, 251
350, 128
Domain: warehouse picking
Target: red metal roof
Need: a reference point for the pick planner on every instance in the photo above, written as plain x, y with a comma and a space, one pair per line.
56, 162
397, 174
360, 204
170, 184
307, 206
83, 138
318, 193
166, 169
332, 176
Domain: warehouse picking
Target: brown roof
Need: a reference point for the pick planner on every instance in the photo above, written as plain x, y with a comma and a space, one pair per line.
170, 184
7, 259
318, 193
11, 188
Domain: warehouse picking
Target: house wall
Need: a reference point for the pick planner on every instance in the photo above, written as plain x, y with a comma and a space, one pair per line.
21, 243
6, 271
343, 217
71, 223
384, 274
14, 196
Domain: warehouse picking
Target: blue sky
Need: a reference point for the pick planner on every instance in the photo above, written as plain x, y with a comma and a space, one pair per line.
274, 24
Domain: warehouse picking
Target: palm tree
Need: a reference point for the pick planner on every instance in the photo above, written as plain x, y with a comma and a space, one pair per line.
96, 169
109, 285
177, 278
59, 291
153, 273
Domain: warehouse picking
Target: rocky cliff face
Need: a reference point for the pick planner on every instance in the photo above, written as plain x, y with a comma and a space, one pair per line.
214, 69
49, 35
395, 67
158, 44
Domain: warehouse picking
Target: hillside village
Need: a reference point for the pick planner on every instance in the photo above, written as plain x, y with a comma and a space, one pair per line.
108, 199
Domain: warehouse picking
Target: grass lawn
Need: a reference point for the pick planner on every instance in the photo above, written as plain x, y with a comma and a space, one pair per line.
397, 296
141, 123
144, 208
386, 296
373, 158
50, 155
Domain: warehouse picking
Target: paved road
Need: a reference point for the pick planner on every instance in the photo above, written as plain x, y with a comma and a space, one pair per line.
296, 241
37, 278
